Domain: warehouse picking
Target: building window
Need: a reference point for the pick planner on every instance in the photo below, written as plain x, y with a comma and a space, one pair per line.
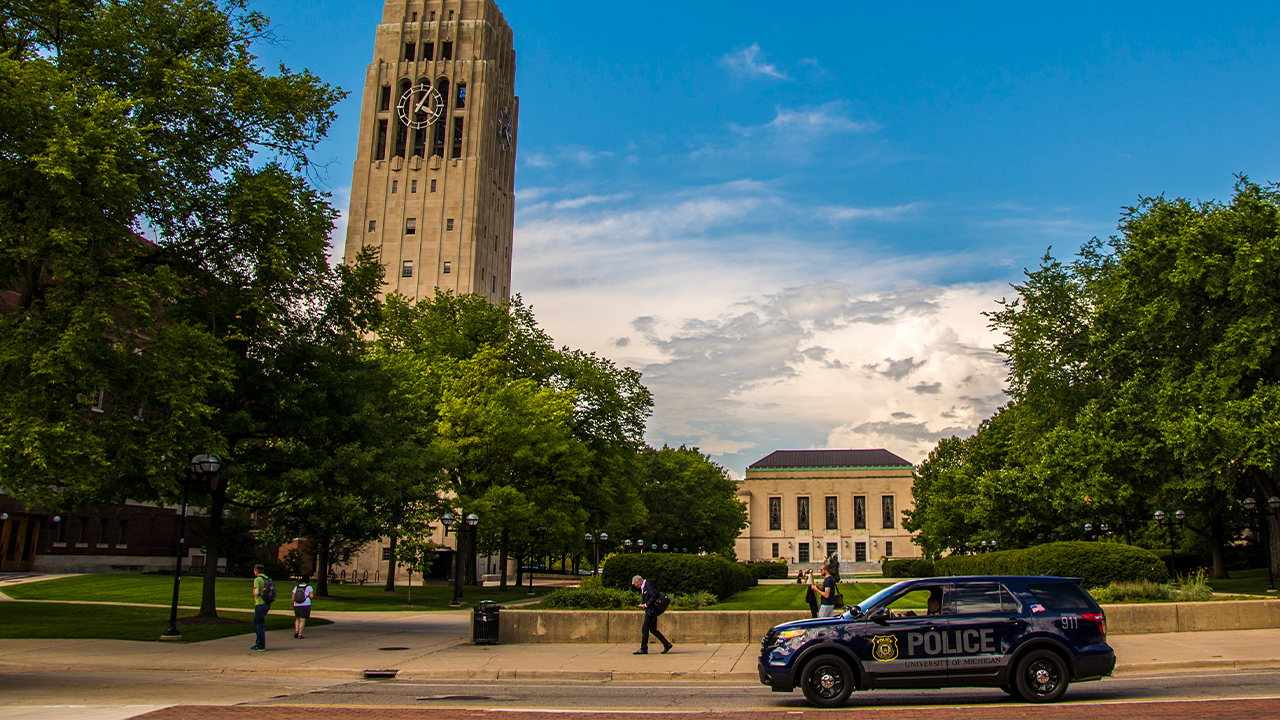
457, 138
450, 16
373, 225
429, 51
384, 99
433, 16
433, 186
102, 531
775, 513
448, 224
446, 52
860, 552
57, 532
833, 516
120, 534
493, 286
859, 512
802, 513
395, 186
888, 548
415, 17
804, 553
410, 52
887, 505
406, 269
448, 267
462, 96
386, 554
833, 551
380, 143
775, 551
411, 226
84, 522
413, 186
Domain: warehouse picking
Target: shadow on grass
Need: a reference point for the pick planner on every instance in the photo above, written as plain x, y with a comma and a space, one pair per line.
62, 621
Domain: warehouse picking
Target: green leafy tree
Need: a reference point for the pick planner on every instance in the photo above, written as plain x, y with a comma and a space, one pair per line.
691, 502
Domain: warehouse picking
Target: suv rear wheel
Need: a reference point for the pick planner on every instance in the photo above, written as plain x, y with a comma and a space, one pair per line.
1042, 676
827, 681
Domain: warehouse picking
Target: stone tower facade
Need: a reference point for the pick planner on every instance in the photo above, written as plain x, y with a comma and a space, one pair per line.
435, 171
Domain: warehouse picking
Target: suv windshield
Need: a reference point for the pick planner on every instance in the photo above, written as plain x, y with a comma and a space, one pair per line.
879, 598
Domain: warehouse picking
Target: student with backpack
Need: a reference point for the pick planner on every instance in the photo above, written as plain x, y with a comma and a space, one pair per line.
264, 593
302, 605
653, 603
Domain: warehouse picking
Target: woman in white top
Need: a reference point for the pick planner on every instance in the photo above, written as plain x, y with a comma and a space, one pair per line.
302, 605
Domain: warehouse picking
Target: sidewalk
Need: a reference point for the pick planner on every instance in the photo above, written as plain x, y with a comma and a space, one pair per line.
436, 646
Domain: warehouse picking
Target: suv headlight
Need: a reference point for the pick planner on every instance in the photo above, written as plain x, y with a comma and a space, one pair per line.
788, 634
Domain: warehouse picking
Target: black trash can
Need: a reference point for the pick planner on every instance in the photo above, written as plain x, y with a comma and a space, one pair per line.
484, 623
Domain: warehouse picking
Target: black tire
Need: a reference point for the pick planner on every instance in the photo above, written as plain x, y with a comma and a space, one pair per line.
827, 681
1042, 677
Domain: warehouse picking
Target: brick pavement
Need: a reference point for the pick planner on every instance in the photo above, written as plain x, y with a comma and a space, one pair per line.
1142, 710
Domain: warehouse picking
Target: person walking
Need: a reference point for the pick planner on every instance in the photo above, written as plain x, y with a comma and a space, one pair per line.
652, 602
302, 605
263, 595
827, 593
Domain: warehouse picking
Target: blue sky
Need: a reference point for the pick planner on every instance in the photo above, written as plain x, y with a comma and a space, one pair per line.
791, 217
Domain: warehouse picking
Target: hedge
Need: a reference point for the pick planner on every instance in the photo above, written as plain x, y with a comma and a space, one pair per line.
590, 598
679, 574
772, 570
1097, 563
912, 568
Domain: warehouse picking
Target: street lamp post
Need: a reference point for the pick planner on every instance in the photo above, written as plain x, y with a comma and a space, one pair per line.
541, 533
470, 521
640, 544
1272, 509
594, 541
1171, 522
201, 466
627, 545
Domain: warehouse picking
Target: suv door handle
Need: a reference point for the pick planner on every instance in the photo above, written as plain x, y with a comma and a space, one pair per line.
1015, 621
930, 626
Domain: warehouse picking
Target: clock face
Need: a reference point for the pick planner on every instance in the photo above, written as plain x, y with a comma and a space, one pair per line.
504, 128
420, 106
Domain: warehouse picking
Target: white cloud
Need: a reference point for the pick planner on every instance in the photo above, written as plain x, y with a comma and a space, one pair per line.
585, 200
819, 121
745, 61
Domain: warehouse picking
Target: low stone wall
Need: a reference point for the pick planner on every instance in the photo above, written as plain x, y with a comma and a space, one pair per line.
713, 627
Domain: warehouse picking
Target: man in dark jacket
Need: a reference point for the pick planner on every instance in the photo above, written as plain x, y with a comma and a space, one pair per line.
649, 603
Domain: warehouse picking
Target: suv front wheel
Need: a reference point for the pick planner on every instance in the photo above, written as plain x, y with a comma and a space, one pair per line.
827, 681
1042, 676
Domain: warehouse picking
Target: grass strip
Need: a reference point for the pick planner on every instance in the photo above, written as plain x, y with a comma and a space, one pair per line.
64, 621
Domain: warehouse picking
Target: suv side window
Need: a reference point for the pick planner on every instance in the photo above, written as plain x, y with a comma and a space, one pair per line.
1061, 596
1009, 601
977, 599
922, 600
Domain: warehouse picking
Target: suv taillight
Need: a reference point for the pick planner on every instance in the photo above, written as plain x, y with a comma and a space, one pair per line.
1098, 619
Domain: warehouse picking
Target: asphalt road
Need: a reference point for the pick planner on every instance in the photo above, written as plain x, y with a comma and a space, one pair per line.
261, 697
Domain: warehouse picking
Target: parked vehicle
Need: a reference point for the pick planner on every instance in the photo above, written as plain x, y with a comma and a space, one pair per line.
1028, 636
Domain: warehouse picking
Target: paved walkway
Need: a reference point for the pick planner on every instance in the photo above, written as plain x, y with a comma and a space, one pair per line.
436, 645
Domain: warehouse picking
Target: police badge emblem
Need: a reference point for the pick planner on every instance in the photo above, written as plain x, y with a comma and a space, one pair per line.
884, 647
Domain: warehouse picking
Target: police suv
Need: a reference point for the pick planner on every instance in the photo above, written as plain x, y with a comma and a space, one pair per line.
1028, 636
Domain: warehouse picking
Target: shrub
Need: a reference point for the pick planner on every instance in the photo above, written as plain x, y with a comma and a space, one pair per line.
696, 601
772, 570
912, 568
589, 598
1097, 563
1194, 589
679, 574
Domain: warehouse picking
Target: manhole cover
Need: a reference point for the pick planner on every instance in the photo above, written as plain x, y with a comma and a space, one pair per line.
380, 673
463, 698
394, 648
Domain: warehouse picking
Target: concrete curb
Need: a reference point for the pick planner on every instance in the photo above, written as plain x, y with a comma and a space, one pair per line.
1177, 665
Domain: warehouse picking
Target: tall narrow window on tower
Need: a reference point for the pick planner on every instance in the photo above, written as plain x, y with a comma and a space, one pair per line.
406, 269
429, 51
446, 50
384, 100
411, 226
462, 96
420, 141
457, 138
410, 52
380, 142
402, 130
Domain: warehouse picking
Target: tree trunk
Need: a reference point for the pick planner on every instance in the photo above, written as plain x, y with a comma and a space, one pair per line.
519, 568
322, 567
502, 562
217, 506
1124, 525
1218, 541
391, 568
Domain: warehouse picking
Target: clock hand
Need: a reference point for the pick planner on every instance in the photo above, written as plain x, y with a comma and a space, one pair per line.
425, 97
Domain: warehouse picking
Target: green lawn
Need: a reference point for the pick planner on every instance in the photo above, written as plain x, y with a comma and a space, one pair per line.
1243, 582
237, 593
28, 620
791, 597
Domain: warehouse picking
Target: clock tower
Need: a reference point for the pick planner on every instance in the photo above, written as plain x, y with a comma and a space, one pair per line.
435, 169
